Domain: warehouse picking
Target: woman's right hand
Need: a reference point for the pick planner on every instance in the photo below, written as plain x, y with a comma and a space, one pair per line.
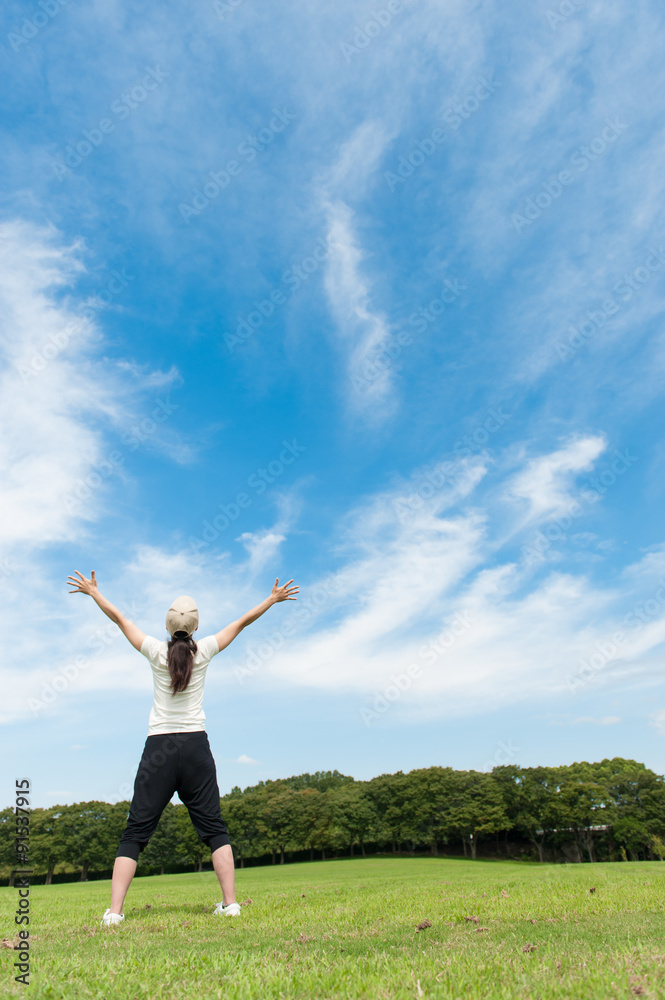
283, 593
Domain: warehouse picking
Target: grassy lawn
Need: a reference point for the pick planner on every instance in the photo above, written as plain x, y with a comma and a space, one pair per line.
348, 929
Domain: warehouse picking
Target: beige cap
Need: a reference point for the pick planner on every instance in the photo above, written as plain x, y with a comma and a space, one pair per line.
182, 616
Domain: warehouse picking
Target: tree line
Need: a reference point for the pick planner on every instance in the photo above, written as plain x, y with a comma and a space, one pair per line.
611, 811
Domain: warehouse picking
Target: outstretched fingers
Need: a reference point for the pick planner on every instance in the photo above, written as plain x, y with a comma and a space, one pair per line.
282, 593
79, 581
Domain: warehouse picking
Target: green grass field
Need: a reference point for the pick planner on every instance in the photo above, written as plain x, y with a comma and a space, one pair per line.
348, 929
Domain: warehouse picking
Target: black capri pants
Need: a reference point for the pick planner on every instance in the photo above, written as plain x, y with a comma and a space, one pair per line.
174, 762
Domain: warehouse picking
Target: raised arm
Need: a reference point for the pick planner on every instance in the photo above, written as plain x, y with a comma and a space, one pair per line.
282, 593
84, 586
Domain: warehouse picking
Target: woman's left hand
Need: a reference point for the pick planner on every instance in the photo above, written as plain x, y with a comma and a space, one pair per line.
82, 585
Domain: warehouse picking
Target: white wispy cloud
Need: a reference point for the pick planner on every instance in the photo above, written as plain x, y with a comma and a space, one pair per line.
58, 394
545, 483
62, 406
263, 544
49, 396
362, 329
410, 571
411, 588
606, 720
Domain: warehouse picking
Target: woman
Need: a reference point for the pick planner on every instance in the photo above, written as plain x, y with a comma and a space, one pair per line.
176, 756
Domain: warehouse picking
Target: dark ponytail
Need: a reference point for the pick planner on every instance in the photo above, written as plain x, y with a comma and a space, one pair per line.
180, 659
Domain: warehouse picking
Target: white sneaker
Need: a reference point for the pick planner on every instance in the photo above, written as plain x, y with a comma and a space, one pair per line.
232, 910
110, 919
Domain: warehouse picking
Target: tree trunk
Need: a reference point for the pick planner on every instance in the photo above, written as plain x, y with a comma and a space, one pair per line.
11, 880
323, 854
84, 872
49, 875
281, 855
161, 869
242, 862
200, 865
474, 847
362, 848
589, 846
540, 853
351, 849
274, 857
466, 854
434, 849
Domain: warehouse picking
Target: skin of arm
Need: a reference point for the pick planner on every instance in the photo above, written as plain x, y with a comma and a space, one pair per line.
84, 586
283, 593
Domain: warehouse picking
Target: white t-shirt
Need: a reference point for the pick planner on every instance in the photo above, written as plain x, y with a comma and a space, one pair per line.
183, 712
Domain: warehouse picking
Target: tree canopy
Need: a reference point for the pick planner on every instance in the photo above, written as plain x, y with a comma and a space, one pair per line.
610, 810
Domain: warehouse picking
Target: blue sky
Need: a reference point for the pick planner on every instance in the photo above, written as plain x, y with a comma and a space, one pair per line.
365, 296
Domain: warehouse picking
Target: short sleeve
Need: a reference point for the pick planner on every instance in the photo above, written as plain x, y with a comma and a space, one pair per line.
150, 648
208, 647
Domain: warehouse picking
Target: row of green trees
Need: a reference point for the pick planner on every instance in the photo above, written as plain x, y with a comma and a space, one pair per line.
611, 810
